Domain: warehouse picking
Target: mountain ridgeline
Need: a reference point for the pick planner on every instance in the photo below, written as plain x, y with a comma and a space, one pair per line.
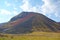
27, 22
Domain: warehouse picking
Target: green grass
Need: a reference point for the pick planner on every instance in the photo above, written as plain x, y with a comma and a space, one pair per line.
32, 36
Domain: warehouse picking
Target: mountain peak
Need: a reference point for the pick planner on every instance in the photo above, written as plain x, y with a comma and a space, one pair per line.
27, 22
23, 14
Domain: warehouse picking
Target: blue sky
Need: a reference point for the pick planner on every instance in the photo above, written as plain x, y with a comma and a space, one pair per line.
10, 8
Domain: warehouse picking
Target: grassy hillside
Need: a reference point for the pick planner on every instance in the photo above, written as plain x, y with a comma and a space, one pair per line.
31, 36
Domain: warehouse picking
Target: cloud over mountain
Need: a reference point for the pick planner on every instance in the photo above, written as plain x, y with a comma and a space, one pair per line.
50, 8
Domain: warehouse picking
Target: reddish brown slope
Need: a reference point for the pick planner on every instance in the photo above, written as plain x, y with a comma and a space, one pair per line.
22, 19
31, 22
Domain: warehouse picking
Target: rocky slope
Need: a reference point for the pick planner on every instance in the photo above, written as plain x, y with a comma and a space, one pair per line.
27, 22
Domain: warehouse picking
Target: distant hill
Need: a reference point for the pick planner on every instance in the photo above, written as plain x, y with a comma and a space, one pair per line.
27, 22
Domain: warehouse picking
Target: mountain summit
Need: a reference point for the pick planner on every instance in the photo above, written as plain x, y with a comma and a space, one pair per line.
27, 22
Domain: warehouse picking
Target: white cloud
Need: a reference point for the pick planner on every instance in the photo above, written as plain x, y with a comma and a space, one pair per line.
5, 12
51, 6
15, 12
15, 8
7, 4
26, 6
